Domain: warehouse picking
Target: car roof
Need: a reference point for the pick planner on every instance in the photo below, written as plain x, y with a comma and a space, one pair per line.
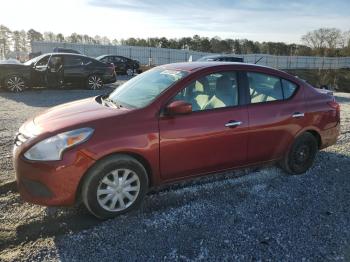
196, 66
63, 53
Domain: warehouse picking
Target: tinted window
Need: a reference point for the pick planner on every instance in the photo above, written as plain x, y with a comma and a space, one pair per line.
288, 88
264, 88
43, 62
73, 61
55, 63
212, 91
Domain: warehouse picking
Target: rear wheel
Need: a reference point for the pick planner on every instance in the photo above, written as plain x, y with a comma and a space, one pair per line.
115, 185
301, 155
94, 82
15, 83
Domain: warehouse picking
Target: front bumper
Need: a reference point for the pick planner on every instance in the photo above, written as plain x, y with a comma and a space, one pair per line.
51, 183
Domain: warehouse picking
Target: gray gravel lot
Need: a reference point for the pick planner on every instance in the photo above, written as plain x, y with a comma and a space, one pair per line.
247, 215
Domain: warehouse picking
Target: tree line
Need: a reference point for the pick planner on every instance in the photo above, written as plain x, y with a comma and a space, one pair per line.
320, 42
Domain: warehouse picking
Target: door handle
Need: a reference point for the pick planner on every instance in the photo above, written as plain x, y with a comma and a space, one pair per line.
232, 124
298, 115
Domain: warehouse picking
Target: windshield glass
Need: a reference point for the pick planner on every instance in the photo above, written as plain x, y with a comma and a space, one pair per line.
34, 60
100, 57
144, 88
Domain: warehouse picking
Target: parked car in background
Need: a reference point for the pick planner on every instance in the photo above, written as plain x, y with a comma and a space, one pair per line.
171, 123
56, 70
10, 61
123, 65
222, 58
65, 50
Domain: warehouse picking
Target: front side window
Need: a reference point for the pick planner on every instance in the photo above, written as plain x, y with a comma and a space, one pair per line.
43, 61
55, 63
211, 91
264, 88
146, 87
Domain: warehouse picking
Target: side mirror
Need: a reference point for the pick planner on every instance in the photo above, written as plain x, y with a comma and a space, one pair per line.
178, 108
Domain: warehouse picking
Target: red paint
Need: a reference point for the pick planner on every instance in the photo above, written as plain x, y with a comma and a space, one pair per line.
177, 146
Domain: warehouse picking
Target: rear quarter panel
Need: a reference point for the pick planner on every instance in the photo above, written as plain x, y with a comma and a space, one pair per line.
320, 116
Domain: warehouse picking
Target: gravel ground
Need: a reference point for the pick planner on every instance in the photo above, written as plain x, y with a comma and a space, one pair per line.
247, 215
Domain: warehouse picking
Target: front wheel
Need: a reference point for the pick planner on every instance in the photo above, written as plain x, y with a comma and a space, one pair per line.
115, 185
94, 82
130, 72
15, 83
301, 155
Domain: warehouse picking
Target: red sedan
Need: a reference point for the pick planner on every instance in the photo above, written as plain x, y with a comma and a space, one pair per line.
167, 124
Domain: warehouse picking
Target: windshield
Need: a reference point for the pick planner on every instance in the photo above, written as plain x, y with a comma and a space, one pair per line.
34, 60
100, 57
144, 88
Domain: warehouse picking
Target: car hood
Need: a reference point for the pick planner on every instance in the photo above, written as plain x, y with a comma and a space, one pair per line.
74, 114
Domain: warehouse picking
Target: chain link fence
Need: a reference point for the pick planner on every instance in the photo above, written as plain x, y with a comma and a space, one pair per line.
159, 56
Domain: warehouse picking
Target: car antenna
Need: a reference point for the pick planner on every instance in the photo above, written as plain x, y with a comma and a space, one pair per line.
257, 61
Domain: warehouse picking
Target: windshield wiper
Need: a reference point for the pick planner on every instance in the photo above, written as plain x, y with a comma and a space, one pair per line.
109, 102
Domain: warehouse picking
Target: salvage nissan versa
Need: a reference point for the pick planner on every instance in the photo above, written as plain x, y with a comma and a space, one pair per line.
167, 124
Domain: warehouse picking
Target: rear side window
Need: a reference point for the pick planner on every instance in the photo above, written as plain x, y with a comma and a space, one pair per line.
288, 88
264, 88
73, 61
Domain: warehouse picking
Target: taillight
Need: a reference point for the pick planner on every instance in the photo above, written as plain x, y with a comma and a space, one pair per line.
333, 104
112, 67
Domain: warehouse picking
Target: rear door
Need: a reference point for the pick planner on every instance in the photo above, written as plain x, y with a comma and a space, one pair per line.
73, 69
213, 137
276, 113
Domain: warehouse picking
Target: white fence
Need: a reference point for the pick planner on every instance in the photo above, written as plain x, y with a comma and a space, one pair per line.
159, 56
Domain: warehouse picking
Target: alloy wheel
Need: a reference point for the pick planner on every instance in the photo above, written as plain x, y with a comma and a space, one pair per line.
118, 190
95, 82
130, 72
15, 84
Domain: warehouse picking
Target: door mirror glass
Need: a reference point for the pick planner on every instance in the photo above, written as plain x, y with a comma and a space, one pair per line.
179, 108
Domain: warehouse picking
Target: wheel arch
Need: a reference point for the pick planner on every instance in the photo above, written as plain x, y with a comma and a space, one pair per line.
144, 162
317, 136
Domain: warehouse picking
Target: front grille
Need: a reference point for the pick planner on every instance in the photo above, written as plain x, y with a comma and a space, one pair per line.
20, 139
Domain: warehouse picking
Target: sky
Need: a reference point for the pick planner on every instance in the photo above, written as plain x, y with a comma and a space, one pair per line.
258, 20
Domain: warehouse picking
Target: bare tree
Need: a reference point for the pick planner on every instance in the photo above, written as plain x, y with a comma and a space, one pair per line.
324, 40
5, 41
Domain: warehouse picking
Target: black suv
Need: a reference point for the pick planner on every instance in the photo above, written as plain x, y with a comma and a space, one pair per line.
57, 70
123, 65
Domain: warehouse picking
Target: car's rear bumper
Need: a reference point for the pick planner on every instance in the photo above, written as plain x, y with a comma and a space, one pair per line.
51, 183
329, 136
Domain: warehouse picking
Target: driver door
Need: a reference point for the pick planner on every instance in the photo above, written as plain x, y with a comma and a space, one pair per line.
211, 138
39, 72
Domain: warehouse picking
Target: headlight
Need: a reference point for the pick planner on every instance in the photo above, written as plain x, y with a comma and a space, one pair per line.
52, 148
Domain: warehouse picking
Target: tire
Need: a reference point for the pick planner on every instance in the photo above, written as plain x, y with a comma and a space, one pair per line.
103, 197
94, 82
301, 155
129, 72
15, 83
